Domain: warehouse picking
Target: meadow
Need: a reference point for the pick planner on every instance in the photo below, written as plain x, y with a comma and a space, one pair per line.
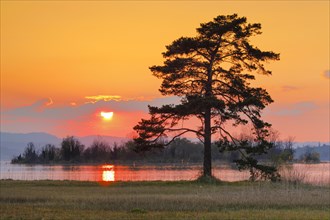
162, 200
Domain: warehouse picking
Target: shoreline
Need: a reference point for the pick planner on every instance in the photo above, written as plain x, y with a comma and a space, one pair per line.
142, 163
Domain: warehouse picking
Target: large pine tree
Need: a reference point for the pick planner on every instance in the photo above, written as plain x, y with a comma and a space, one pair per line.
211, 73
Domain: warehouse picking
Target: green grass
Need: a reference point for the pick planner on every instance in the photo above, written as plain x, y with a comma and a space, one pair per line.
162, 200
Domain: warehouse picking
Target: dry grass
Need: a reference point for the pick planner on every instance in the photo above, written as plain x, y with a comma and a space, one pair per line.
292, 176
162, 200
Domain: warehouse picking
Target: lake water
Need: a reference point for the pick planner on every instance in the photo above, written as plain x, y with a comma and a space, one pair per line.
312, 173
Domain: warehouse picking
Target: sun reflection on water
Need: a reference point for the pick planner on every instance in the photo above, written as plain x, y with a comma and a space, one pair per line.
108, 173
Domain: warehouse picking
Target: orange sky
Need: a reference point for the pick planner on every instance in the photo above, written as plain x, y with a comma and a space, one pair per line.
66, 51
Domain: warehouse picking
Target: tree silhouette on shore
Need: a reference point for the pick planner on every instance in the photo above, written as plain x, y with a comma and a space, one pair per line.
211, 73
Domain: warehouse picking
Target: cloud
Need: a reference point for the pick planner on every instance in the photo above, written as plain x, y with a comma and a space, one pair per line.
129, 105
96, 98
79, 118
36, 107
294, 109
84, 119
326, 74
43, 108
287, 88
50, 102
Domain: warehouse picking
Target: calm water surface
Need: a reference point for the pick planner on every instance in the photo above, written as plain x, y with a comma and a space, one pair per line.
312, 173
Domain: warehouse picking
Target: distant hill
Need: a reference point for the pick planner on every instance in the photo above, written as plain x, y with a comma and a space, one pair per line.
13, 144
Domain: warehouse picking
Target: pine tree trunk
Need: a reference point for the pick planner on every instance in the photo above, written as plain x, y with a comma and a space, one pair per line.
207, 166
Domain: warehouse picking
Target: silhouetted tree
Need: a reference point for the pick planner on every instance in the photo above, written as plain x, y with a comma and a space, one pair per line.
310, 156
114, 151
17, 159
183, 149
287, 151
71, 148
282, 150
48, 153
30, 155
211, 73
99, 151
126, 151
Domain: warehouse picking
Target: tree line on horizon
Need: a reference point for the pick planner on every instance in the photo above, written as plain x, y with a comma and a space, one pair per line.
181, 150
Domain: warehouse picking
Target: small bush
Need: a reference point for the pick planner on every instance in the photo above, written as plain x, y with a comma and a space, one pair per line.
310, 157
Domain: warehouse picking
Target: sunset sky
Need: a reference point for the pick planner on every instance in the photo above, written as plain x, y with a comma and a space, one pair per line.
64, 62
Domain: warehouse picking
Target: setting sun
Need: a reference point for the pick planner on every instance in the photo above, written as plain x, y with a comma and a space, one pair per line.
107, 115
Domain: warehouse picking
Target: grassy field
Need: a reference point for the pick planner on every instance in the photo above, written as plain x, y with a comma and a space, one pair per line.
162, 200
